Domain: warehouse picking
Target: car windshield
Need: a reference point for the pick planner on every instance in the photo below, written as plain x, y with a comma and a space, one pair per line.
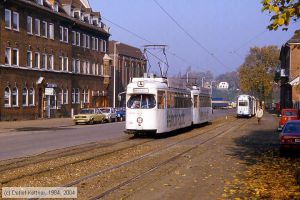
87, 111
243, 103
143, 101
290, 113
292, 128
104, 110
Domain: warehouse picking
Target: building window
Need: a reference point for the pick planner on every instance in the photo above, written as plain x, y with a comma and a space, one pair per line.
44, 29
88, 41
104, 46
93, 43
75, 96
15, 57
16, 21
59, 98
65, 96
61, 62
29, 25
84, 67
25, 97
97, 69
101, 45
84, 40
37, 27
73, 37
85, 96
7, 19
97, 44
51, 62
44, 61
77, 66
93, 69
78, 39
7, 97
51, 31
66, 35
65, 64
88, 67
61, 32
29, 59
7, 56
37, 60
15, 97
31, 97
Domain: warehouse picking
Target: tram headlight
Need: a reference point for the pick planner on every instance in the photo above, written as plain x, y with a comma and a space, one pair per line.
139, 120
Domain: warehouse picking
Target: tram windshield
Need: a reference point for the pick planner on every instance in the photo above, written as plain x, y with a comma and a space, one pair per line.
243, 103
141, 101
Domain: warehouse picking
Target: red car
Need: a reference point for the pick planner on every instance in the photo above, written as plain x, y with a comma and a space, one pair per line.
287, 115
290, 136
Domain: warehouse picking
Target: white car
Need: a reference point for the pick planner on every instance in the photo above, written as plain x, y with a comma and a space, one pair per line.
110, 114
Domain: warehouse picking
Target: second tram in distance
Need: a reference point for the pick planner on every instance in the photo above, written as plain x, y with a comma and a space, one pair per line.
153, 106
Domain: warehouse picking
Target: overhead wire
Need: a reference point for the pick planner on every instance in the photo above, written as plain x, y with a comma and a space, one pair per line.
189, 35
148, 41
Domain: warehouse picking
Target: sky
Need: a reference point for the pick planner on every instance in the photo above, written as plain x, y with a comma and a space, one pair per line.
223, 30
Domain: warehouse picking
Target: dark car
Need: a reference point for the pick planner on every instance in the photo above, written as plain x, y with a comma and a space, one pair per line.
121, 114
287, 115
290, 136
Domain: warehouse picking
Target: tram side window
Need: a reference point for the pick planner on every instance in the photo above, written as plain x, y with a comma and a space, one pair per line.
195, 101
143, 101
161, 99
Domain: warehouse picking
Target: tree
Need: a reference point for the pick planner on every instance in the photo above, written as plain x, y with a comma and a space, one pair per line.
257, 72
283, 11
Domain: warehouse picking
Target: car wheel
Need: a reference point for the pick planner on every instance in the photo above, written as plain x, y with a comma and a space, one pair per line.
91, 122
109, 120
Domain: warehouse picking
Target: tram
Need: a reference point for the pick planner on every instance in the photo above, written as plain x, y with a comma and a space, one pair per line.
246, 106
154, 106
202, 105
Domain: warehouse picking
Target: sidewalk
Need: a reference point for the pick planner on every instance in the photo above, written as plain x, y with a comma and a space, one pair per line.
8, 126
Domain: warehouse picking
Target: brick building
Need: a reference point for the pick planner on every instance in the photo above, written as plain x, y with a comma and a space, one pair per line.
290, 70
130, 62
52, 58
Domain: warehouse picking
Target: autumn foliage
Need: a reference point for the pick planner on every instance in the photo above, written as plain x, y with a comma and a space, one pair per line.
257, 72
282, 12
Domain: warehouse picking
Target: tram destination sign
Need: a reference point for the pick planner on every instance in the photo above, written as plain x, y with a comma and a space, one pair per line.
140, 90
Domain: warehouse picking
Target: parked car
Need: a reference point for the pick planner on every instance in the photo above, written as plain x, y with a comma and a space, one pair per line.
287, 115
121, 114
89, 116
110, 114
290, 136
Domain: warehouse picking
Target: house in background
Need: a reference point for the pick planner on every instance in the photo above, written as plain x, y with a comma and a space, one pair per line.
290, 70
52, 58
223, 86
129, 62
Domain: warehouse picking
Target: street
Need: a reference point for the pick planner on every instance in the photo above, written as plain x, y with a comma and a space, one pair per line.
221, 160
20, 142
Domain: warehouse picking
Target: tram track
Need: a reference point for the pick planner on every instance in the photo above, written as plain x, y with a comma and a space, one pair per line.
149, 154
51, 167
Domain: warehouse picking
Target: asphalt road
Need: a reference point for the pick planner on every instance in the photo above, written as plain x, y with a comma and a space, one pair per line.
17, 144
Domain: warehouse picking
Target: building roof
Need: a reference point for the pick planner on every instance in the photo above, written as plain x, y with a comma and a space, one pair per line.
126, 50
295, 38
74, 3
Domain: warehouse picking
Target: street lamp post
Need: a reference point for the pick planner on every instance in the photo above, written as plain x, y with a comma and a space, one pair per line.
114, 93
211, 88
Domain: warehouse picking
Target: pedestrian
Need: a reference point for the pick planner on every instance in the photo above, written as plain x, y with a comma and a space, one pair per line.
259, 114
